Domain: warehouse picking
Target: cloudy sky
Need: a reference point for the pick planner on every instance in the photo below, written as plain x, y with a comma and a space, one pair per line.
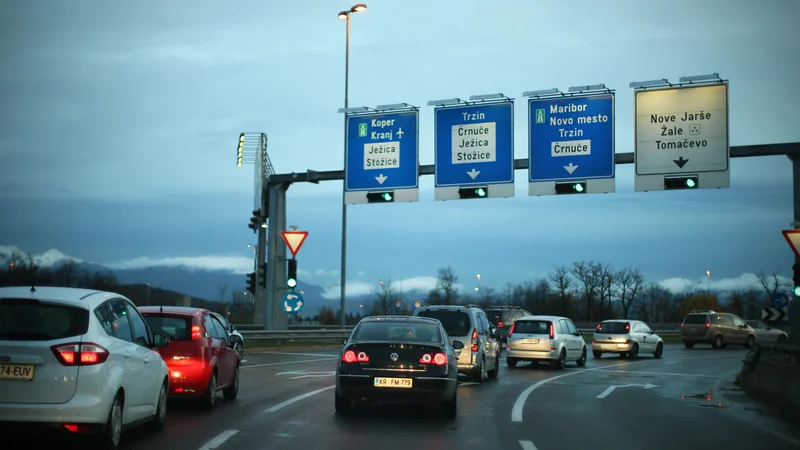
119, 122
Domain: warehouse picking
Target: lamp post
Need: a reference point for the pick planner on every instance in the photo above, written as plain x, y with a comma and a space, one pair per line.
345, 15
255, 258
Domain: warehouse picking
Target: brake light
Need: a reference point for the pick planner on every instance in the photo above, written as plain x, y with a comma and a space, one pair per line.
627, 327
438, 359
681, 323
196, 333
511, 330
350, 357
598, 326
499, 324
552, 331
79, 354
708, 325
475, 340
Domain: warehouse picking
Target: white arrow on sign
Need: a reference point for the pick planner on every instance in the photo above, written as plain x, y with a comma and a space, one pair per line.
381, 178
473, 173
608, 391
570, 168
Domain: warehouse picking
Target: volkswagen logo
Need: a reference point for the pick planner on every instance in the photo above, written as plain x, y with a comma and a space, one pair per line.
394, 356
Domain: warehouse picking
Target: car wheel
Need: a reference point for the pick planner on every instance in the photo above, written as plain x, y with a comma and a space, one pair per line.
450, 407
112, 433
232, 391
689, 345
751, 341
718, 343
481, 373
496, 371
782, 339
210, 396
634, 353
343, 405
511, 362
659, 350
596, 354
562, 360
160, 417
582, 361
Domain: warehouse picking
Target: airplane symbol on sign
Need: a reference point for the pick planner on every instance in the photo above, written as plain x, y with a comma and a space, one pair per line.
400, 133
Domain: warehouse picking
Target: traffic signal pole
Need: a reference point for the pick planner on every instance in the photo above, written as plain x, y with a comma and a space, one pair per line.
794, 308
260, 298
276, 317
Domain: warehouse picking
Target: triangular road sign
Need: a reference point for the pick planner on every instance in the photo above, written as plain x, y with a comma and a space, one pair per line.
793, 238
294, 240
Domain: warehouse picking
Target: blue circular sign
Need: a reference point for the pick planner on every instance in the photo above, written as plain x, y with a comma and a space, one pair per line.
293, 302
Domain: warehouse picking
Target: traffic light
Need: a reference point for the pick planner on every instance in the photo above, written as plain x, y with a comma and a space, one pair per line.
262, 275
572, 187
291, 278
796, 279
255, 221
380, 197
681, 182
240, 151
473, 192
251, 283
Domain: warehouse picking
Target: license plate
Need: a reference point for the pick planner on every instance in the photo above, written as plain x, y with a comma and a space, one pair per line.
609, 346
16, 372
530, 341
393, 382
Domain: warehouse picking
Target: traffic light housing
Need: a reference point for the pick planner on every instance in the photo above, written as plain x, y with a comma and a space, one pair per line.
262, 275
251, 283
572, 187
240, 151
291, 274
796, 279
255, 221
681, 182
380, 197
473, 192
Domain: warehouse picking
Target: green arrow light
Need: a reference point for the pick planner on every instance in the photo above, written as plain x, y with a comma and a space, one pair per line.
578, 187
690, 183
480, 192
797, 291
387, 196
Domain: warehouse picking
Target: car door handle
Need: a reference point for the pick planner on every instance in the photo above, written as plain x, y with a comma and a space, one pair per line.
127, 355
147, 360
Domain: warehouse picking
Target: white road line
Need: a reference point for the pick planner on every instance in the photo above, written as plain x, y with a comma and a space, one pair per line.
289, 362
634, 372
527, 445
605, 393
295, 354
519, 404
280, 406
219, 440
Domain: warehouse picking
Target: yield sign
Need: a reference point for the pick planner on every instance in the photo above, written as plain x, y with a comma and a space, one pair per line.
294, 240
793, 238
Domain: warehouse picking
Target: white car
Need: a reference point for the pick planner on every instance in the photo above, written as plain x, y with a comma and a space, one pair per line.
80, 360
552, 339
627, 338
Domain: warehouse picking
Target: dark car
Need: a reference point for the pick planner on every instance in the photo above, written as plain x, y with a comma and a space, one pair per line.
503, 316
402, 359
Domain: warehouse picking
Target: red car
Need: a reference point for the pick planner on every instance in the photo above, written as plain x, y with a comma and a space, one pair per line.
200, 356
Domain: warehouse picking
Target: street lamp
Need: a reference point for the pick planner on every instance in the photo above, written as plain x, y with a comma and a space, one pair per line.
255, 258
345, 15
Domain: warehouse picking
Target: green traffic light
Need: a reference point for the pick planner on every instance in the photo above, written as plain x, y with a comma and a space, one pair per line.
690, 183
291, 282
796, 291
480, 192
578, 187
387, 196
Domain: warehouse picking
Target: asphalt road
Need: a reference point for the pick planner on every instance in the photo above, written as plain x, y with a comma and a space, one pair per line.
286, 402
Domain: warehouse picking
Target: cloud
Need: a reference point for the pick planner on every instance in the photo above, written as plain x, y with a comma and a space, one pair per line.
46, 259
743, 282
234, 264
361, 287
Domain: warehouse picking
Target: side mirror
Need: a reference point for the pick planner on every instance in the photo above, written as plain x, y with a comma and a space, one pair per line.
458, 345
344, 342
652, 331
233, 327
160, 341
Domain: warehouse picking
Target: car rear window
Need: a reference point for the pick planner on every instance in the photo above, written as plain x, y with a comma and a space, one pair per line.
456, 323
695, 319
532, 326
614, 328
32, 320
177, 328
394, 331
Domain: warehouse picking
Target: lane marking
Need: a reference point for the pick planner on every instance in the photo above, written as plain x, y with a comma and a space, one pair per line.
605, 393
289, 362
296, 354
527, 445
659, 373
519, 404
280, 406
219, 440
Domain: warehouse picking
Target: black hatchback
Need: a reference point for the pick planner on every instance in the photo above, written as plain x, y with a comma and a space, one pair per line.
403, 359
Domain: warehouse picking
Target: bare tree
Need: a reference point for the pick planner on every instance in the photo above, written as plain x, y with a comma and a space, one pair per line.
590, 284
385, 300
67, 273
627, 286
604, 274
446, 284
562, 282
771, 284
655, 303
223, 291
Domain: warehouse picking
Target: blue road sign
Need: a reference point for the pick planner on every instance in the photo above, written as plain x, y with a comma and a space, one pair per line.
474, 145
571, 138
293, 302
398, 305
382, 151
781, 300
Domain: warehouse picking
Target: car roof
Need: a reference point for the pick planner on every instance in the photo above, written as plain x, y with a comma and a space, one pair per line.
416, 319
67, 295
172, 310
449, 307
620, 320
550, 318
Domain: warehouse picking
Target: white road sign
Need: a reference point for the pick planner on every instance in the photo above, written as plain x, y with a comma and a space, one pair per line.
682, 130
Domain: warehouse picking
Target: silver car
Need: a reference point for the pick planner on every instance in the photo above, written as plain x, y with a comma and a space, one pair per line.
627, 338
551, 339
767, 333
469, 325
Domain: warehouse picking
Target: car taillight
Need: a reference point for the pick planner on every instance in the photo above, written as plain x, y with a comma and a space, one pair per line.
708, 325
499, 324
351, 357
475, 340
627, 327
511, 330
597, 328
681, 323
552, 331
80, 354
438, 359
196, 333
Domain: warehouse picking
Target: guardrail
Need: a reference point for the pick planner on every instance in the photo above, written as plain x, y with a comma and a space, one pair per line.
338, 335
